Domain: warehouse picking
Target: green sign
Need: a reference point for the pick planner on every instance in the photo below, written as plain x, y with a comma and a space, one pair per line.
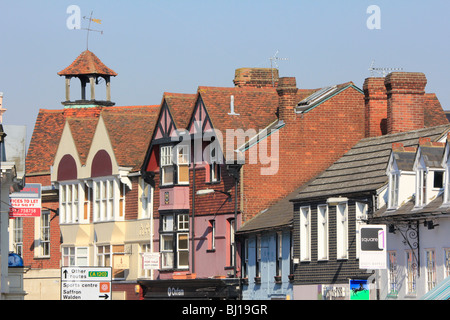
98, 274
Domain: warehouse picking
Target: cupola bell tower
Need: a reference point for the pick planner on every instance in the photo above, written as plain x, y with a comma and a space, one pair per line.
88, 69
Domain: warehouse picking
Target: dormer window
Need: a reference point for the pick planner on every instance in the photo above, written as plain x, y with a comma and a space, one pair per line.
394, 178
421, 187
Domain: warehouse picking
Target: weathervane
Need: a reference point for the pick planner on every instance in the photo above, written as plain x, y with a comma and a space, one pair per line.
273, 60
383, 71
89, 27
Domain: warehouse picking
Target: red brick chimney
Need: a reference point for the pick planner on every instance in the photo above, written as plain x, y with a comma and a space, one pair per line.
287, 93
256, 77
375, 107
405, 101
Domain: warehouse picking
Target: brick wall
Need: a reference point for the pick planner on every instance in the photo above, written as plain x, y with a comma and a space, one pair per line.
29, 259
308, 144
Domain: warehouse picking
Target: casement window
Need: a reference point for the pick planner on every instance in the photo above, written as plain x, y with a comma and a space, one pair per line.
212, 235
144, 248
438, 179
166, 166
393, 189
447, 184
183, 164
230, 241
146, 199
421, 187
73, 203
342, 231
107, 255
109, 200
44, 234
245, 259
258, 256
361, 218
322, 232
17, 234
392, 268
430, 268
214, 166
305, 233
447, 262
75, 256
411, 273
174, 241
279, 254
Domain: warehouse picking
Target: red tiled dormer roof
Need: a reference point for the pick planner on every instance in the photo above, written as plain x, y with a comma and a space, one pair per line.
87, 63
181, 106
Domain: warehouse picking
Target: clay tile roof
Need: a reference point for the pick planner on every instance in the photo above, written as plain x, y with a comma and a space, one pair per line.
44, 141
83, 130
87, 63
256, 107
434, 114
181, 106
130, 130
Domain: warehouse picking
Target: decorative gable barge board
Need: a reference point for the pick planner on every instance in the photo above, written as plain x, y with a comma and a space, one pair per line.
331, 271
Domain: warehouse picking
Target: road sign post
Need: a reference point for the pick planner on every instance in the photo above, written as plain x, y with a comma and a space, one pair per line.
86, 283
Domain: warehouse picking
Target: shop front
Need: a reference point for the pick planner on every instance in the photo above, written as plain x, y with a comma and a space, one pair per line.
191, 289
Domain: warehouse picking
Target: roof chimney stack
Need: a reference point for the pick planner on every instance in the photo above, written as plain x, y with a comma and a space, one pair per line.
256, 77
405, 101
375, 107
287, 93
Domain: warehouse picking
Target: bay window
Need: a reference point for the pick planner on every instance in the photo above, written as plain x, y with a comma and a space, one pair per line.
183, 164
109, 199
174, 241
74, 202
166, 165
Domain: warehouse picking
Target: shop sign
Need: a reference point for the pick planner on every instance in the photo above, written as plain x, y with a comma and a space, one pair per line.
26, 203
373, 254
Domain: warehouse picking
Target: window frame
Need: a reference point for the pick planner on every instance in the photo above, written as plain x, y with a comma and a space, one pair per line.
185, 157
342, 231
145, 199
73, 256
171, 227
394, 183
305, 233
322, 232
166, 163
108, 197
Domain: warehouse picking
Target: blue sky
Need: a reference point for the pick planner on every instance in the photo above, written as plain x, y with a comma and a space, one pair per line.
175, 46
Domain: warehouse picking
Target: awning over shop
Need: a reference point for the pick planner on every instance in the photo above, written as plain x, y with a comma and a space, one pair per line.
440, 292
